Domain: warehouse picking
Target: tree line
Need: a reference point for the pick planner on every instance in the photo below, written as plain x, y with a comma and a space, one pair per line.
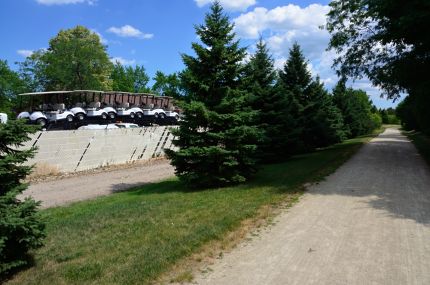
238, 115
387, 41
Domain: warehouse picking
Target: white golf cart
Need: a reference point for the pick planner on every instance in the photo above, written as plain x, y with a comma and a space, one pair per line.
51, 110
3, 118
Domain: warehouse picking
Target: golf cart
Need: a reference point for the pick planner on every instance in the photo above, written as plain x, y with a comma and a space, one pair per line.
47, 108
99, 107
123, 101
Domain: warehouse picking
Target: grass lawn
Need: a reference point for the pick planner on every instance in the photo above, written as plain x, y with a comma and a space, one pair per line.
421, 142
133, 237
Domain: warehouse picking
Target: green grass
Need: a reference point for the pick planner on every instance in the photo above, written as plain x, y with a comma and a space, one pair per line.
133, 237
421, 142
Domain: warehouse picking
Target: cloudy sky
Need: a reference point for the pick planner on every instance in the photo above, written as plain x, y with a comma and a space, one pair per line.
154, 33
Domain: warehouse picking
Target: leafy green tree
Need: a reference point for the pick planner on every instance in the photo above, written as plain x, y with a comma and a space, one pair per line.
21, 228
129, 79
272, 105
10, 86
216, 141
75, 59
387, 41
167, 85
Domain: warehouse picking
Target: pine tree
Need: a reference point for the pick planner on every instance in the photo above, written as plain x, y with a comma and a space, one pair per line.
317, 121
20, 225
295, 81
216, 140
273, 117
325, 122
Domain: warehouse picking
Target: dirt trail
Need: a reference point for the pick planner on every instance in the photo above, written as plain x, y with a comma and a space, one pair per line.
368, 223
82, 187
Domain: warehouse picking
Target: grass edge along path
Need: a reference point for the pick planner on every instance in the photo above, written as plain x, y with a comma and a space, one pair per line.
135, 237
421, 142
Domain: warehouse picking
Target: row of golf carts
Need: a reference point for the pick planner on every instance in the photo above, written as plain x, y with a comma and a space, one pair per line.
72, 109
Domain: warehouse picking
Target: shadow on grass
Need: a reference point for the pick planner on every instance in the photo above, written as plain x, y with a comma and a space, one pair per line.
283, 177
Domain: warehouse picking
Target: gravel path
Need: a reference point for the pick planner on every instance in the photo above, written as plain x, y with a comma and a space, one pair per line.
76, 188
368, 223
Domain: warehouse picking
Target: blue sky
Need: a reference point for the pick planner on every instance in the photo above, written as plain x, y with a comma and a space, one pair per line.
154, 33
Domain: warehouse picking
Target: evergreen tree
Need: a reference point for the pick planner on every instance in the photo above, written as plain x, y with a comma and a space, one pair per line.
216, 141
325, 121
273, 117
20, 225
317, 121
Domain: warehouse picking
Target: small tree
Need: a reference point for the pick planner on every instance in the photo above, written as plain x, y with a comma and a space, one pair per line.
216, 141
20, 226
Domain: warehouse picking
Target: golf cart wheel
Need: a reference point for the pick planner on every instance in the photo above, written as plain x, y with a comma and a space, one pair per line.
41, 122
132, 115
112, 115
104, 116
80, 117
69, 118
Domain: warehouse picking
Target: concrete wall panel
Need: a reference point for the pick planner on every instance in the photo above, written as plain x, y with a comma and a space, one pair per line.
78, 150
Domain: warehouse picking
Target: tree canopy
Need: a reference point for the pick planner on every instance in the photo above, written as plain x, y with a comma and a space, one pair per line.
129, 79
75, 59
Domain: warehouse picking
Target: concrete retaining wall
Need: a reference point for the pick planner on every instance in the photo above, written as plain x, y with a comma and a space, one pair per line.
70, 151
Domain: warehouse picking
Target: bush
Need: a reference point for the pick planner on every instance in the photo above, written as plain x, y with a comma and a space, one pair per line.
20, 225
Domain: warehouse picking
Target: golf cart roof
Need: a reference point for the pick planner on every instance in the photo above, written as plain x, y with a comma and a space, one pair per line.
92, 92
44, 93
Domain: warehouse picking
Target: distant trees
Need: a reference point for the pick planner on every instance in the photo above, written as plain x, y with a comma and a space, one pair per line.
216, 139
356, 109
129, 79
21, 228
10, 85
167, 85
75, 59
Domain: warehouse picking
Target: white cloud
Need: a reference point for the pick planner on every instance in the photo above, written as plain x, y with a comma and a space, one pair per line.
231, 5
24, 52
285, 25
102, 39
123, 61
65, 2
128, 31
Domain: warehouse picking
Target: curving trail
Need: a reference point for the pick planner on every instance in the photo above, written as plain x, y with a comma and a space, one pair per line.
368, 223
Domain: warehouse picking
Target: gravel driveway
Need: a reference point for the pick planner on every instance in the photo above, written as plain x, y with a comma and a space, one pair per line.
368, 223
86, 186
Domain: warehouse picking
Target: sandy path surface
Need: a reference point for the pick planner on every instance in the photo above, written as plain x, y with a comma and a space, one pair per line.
368, 223
87, 186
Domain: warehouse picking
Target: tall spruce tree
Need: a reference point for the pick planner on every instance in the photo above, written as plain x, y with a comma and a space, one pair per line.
317, 121
295, 81
216, 141
272, 106
325, 121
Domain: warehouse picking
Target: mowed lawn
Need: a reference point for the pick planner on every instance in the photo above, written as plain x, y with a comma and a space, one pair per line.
133, 237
